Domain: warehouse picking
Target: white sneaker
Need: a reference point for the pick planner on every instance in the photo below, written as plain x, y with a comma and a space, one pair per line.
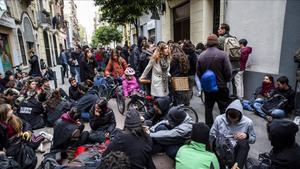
47, 136
297, 120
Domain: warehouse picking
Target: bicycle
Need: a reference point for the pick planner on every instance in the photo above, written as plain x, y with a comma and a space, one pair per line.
143, 102
112, 88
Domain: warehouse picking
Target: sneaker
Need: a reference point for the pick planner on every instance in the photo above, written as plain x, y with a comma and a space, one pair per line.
297, 120
199, 94
46, 135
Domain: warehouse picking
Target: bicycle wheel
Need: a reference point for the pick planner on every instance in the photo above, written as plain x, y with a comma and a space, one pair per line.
137, 105
191, 112
120, 101
103, 91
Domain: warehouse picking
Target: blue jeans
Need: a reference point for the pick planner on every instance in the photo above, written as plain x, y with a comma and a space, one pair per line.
276, 113
77, 69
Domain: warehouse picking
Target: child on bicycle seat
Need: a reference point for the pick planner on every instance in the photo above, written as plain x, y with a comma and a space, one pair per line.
129, 82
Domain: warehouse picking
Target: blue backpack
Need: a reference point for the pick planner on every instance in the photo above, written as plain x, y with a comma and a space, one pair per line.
209, 80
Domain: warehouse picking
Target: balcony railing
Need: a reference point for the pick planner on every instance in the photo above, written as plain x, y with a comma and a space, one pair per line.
43, 18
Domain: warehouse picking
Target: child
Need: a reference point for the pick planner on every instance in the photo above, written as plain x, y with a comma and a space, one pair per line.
239, 78
129, 82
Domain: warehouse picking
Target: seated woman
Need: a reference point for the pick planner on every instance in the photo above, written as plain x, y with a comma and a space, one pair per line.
134, 142
102, 121
129, 82
116, 65
261, 93
68, 131
12, 131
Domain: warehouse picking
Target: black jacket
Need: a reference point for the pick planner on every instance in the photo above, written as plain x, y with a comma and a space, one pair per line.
74, 92
86, 102
164, 106
286, 152
175, 68
192, 56
35, 66
137, 149
106, 122
87, 70
32, 112
289, 95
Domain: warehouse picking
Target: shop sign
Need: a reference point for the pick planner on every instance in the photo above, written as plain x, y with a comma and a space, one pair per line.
151, 25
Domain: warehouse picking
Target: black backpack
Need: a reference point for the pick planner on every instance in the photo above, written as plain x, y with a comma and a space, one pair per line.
8, 163
224, 150
275, 102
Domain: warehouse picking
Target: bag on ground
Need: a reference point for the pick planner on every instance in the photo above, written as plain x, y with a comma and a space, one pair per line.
275, 102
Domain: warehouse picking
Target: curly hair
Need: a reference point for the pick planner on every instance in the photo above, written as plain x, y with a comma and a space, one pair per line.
115, 160
178, 53
158, 53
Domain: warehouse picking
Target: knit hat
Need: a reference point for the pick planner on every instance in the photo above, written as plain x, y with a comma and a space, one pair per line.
200, 133
212, 39
176, 115
132, 119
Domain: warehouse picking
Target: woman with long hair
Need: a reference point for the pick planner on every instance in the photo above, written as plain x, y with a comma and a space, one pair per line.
116, 65
87, 66
160, 65
179, 68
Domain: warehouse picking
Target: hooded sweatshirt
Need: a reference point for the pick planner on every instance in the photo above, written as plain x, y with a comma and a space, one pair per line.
224, 126
163, 105
245, 52
285, 153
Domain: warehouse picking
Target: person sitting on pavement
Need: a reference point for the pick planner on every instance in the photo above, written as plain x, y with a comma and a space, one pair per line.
196, 154
134, 142
285, 106
76, 91
236, 127
161, 106
169, 135
116, 65
261, 93
129, 82
102, 121
285, 152
9, 96
68, 131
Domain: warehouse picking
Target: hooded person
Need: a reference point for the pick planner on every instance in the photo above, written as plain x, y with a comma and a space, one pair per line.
134, 142
168, 135
238, 128
159, 111
286, 152
68, 131
136, 53
196, 154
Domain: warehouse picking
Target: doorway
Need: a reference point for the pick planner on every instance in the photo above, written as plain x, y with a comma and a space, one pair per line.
47, 49
182, 22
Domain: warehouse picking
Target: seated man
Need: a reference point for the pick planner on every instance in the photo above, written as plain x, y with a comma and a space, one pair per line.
283, 89
102, 121
195, 155
169, 135
75, 90
159, 111
238, 129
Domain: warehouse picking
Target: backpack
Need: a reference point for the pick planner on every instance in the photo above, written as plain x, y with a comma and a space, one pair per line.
275, 102
209, 81
232, 48
8, 163
224, 149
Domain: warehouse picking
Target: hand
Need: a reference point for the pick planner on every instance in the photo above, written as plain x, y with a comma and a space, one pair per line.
26, 135
235, 166
107, 135
240, 136
146, 129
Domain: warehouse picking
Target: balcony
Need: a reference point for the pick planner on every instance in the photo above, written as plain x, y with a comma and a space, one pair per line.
43, 18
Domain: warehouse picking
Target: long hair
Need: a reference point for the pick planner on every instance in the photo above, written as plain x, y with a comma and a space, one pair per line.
14, 121
178, 53
158, 53
54, 100
86, 51
119, 58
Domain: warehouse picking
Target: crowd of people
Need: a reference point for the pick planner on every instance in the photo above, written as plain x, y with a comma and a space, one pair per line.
28, 103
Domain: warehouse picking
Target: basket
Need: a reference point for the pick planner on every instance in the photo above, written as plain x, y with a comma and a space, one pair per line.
180, 83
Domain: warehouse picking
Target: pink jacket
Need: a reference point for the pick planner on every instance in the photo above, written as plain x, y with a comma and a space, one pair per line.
129, 85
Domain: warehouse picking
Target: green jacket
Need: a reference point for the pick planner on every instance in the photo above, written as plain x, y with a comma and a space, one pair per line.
195, 156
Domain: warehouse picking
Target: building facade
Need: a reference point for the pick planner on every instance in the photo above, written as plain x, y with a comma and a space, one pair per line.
73, 26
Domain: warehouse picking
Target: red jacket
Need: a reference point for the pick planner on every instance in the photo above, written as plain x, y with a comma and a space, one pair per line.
115, 68
245, 52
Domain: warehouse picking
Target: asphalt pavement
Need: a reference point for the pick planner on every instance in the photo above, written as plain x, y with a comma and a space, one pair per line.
162, 161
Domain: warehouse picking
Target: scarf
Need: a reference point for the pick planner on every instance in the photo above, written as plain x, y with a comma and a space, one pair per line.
266, 88
164, 67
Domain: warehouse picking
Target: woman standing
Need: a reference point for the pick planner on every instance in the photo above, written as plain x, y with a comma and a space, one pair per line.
116, 65
87, 66
160, 65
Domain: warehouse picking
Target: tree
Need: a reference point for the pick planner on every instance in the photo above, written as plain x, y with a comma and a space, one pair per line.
82, 34
105, 35
120, 12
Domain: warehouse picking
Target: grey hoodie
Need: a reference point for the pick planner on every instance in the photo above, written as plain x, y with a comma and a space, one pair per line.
223, 125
